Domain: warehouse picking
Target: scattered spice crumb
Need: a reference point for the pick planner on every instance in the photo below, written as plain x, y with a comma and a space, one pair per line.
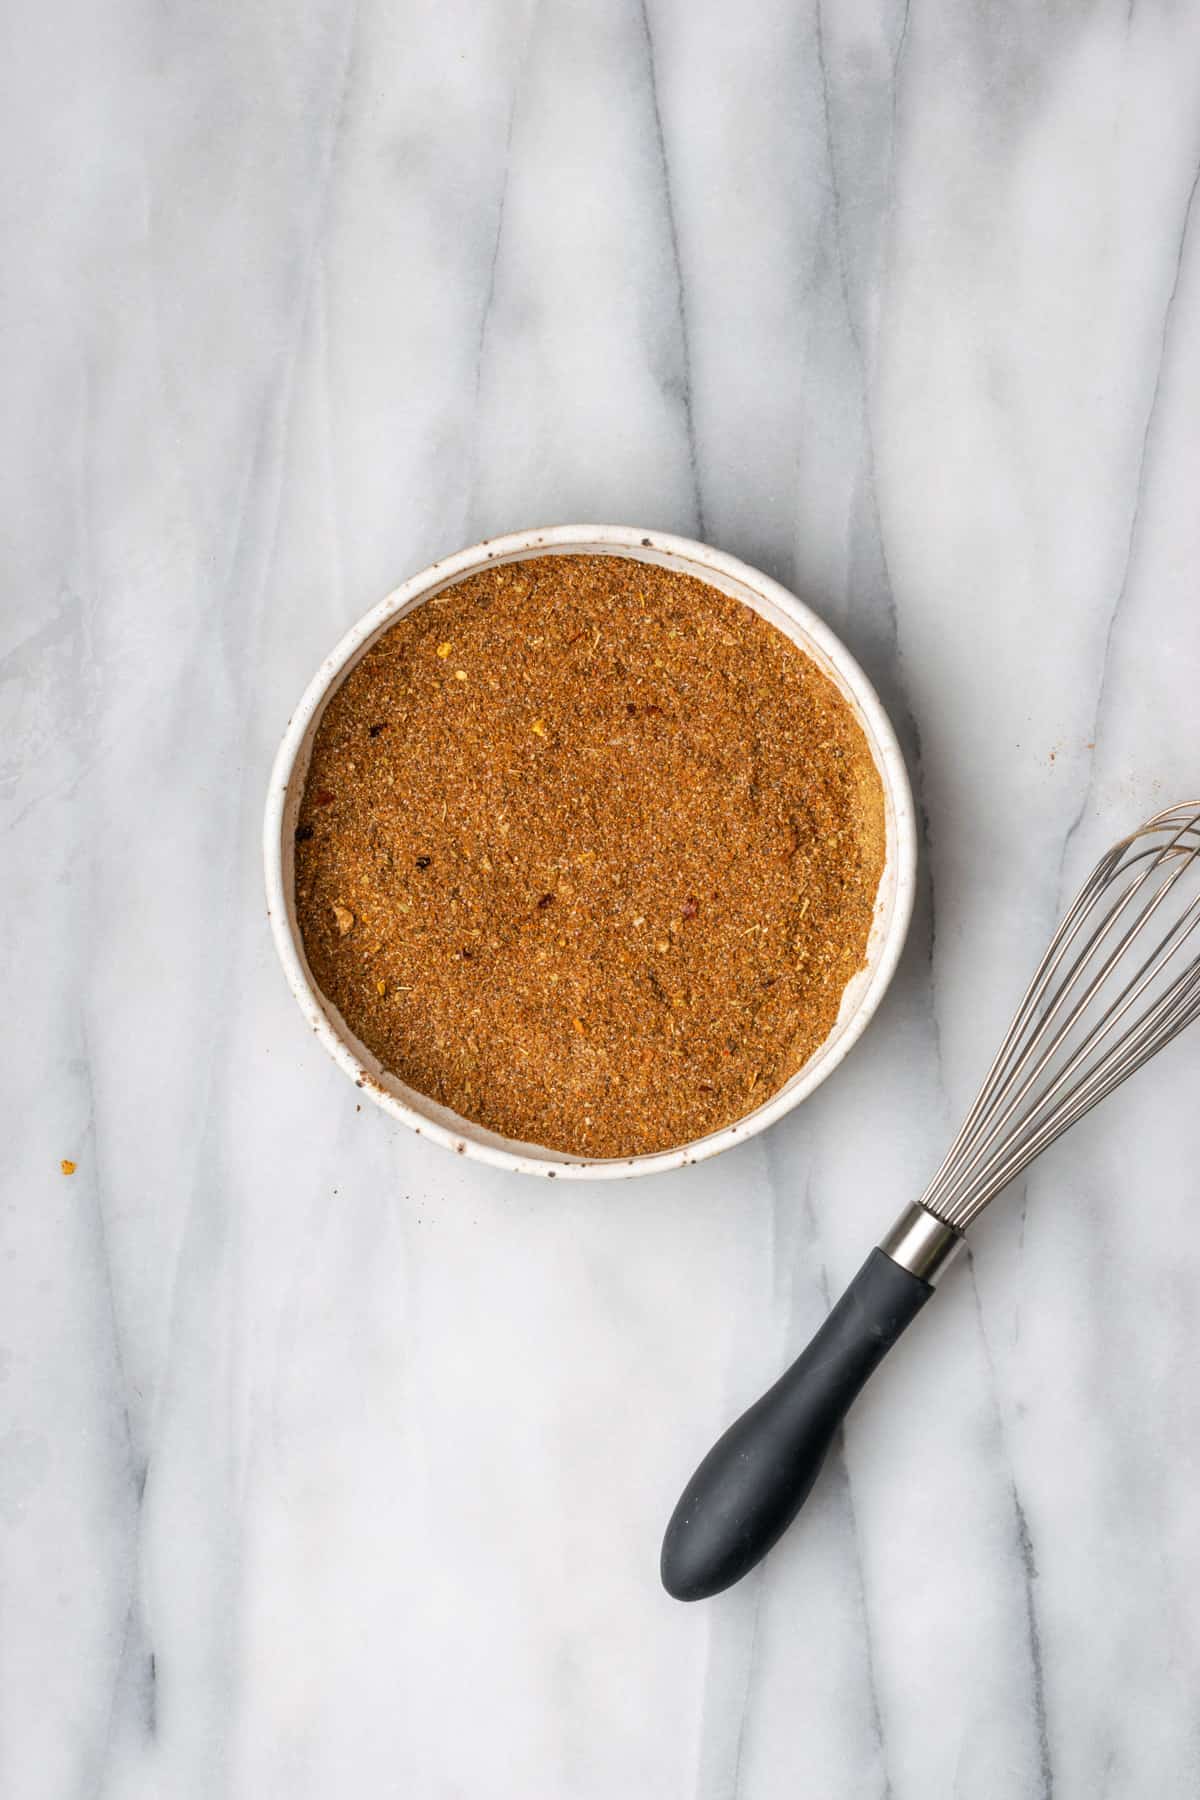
738, 814
67, 1166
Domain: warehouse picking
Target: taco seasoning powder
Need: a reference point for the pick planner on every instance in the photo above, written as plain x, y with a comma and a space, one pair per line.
588, 852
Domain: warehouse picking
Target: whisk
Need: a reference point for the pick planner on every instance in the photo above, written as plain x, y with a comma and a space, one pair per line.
1120, 979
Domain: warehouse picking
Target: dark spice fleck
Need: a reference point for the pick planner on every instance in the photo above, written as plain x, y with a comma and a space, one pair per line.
546, 900
303, 833
376, 730
423, 862
691, 907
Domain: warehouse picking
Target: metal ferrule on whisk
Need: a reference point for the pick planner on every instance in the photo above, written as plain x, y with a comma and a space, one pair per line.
922, 1243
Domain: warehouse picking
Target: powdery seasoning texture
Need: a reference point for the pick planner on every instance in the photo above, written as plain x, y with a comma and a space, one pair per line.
588, 851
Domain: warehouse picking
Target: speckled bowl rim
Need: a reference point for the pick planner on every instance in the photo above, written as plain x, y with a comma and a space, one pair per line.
893, 905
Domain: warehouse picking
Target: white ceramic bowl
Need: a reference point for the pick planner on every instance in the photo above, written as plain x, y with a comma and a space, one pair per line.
892, 908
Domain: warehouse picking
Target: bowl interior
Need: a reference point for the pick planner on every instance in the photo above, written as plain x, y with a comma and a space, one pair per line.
892, 905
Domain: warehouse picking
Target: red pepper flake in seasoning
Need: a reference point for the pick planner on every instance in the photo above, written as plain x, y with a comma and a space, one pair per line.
639, 1018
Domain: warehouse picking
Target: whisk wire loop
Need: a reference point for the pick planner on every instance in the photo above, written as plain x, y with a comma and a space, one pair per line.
1073, 1038
1127, 998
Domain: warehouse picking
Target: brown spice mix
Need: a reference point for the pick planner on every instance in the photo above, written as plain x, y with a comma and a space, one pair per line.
588, 851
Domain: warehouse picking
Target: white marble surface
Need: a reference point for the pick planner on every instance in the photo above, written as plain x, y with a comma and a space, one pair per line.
331, 1466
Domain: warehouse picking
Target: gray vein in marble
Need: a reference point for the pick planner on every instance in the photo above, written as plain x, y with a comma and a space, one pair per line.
1022, 1210
1028, 1577
770, 1164
136, 1456
836, 195
898, 58
489, 293
685, 351
1134, 519
135, 1453
1025, 1548
134, 1692
321, 308
748, 1686
839, 1470
471, 530
841, 1475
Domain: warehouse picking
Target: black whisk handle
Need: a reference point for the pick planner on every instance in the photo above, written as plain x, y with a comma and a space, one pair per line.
755, 1479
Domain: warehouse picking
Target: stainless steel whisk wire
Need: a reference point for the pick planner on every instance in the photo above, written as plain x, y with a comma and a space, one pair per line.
984, 1158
